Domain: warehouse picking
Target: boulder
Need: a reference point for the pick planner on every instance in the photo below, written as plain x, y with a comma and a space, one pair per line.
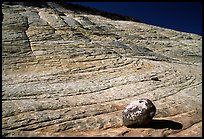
139, 113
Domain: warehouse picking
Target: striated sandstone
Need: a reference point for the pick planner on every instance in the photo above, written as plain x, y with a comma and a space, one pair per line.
71, 73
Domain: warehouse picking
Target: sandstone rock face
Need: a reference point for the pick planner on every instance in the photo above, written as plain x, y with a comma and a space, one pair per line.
139, 113
70, 73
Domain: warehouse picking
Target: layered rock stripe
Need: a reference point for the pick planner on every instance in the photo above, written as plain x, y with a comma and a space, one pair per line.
69, 73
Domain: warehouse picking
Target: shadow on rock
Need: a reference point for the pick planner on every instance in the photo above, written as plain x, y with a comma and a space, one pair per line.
161, 124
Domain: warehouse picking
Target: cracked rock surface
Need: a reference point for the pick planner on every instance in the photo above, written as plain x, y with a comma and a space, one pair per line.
69, 73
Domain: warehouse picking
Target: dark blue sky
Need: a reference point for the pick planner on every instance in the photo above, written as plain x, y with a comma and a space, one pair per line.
181, 16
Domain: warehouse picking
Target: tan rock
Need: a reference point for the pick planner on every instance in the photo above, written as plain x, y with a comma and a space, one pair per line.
68, 73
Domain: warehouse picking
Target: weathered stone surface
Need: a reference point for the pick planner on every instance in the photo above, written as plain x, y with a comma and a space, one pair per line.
139, 113
70, 73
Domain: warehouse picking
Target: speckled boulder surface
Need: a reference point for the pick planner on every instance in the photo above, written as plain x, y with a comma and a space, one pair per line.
139, 113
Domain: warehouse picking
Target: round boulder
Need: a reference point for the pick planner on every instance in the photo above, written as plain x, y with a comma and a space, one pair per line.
138, 113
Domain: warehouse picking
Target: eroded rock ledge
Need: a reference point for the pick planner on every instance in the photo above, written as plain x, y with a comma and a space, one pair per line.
71, 74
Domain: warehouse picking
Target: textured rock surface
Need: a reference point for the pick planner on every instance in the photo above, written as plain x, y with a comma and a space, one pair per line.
139, 113
68, 73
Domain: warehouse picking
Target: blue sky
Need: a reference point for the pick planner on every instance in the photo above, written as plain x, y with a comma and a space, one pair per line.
181, 16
